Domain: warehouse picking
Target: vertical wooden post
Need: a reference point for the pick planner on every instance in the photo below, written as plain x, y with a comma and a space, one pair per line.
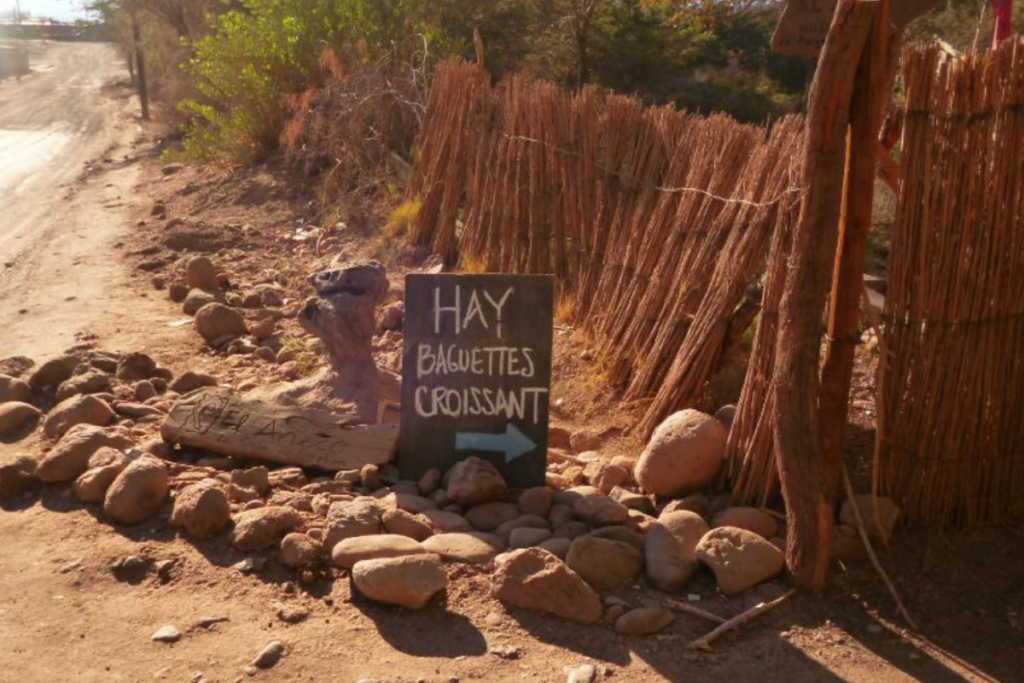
140, 68
798, 345
869, 98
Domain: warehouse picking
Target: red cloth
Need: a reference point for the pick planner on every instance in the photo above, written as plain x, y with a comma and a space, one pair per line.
1001, 29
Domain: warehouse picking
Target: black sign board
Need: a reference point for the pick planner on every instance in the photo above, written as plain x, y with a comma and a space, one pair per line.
476, 373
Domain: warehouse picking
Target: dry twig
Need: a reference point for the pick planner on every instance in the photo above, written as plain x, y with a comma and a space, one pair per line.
871, 551
704, 643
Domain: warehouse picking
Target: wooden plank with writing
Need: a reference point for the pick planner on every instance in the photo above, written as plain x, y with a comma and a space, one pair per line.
476, 373
217, 420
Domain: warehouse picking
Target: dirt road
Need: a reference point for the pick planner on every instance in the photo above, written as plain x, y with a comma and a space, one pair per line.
66, 171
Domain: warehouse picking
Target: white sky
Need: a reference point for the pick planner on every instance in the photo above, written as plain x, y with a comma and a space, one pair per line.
56, 9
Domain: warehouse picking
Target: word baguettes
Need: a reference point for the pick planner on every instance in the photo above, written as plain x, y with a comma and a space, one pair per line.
217, 420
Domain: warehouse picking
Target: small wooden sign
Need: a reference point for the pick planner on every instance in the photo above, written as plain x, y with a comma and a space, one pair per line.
804, 24
476, 373
803, 27
217, 420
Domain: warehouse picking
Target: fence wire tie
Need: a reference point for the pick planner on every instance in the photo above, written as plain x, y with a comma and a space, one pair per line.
661, 188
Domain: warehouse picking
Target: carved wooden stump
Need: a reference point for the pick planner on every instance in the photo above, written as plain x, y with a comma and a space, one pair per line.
342, 314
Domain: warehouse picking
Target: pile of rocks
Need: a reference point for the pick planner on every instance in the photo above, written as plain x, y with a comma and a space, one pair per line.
597, 525
227, 319
95, 410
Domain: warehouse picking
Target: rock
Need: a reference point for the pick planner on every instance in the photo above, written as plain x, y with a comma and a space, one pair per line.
196, 299
255, 478
534, 579
138, 492
726, 414
348, 519
215, 320
407, 524
190, 381
571, 529
489, 516
683, 455
620, 534
14, 415
605, 476
580, 674
696, 503
14, 390
632, 500
536, 501
137, 411
16, 366
409, 581
70, 457
104, 467
201, 509
559, 515
584, 440
391, 317
88, 382
739, 558
880, 528
600, 510
527, 537
718, 503
200, 273
670, 549
570, 496
171, 168
75, 411
429, 482
369, 477
411, 502
290, 614
473, 481
166, 634
603, 563
559, 547
299, 551
751, 519
178, 292
446, 522
523, 521
269, 655
644, 621
144, 390
53, 372
468, 548
360, 548
559, 437
263, 527
136, 366
17, 477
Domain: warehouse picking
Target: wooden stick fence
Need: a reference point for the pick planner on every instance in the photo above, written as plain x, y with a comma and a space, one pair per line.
951, 398
654, 220
950, 395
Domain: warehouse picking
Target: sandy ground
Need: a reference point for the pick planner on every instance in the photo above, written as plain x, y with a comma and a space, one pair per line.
67, 174
64, 616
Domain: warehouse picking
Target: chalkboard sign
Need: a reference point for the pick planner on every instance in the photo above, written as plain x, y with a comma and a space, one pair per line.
476, 373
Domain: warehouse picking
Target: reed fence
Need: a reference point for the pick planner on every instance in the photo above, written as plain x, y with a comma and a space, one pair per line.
951, 397
654, 221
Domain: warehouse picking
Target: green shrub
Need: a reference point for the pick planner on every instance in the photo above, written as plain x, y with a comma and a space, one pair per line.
256, 55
